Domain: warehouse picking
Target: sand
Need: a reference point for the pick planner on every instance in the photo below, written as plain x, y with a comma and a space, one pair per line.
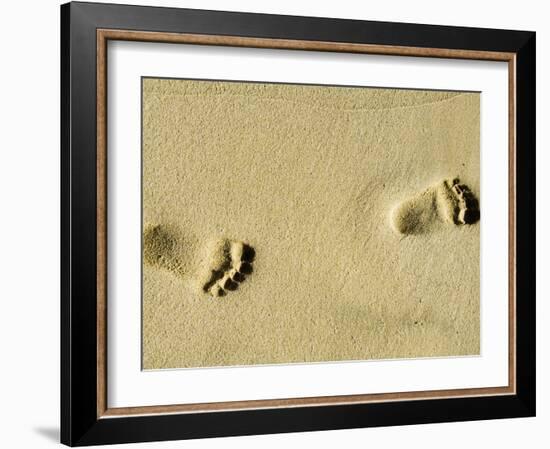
361, 245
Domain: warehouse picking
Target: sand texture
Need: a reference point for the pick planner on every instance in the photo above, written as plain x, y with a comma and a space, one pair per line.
293, 224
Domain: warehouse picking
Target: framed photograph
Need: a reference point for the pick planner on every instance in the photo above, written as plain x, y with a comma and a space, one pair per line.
278, 224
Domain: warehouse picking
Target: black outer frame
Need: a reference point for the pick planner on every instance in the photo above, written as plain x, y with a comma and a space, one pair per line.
79, 422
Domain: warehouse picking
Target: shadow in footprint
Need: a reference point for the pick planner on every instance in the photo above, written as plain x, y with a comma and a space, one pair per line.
239, 277
471, 212
231, 285
248, 254
246, 268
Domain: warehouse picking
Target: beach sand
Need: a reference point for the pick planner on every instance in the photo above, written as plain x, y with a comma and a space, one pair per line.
359, 252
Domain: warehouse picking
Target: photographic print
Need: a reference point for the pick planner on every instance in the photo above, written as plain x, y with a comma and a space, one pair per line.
295, 223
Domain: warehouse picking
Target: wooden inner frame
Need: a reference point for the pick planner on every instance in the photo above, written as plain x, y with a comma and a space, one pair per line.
103, 36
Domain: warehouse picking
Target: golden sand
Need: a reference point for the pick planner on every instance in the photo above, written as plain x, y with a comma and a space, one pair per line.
290, 223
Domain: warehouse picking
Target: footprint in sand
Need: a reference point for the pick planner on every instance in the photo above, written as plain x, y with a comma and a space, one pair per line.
222, 266
447, 201
161, 249
228, 264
